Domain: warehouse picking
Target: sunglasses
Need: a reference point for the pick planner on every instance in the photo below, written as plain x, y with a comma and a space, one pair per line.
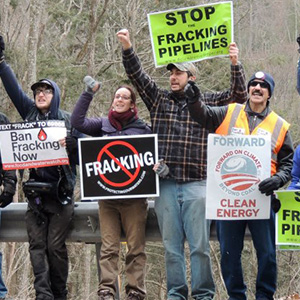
263, 85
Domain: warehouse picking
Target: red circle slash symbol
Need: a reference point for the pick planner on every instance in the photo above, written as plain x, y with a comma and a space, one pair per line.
105, 150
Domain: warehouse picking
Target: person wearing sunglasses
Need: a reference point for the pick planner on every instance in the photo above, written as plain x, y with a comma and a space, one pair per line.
255, 117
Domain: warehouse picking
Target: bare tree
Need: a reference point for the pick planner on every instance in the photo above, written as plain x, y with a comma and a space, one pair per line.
36, 9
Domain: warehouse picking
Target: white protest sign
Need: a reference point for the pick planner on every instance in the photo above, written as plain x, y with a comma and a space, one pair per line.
33, 144
236, 165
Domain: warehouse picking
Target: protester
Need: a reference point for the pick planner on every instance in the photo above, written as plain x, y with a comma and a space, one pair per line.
182, 145
298, 67
8, 180
49, 215
295, 182
256, 117
114, 215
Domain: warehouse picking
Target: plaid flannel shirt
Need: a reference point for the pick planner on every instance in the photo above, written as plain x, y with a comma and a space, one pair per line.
182, 142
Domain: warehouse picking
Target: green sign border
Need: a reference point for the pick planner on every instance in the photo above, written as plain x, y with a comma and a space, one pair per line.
191, 34
286, 219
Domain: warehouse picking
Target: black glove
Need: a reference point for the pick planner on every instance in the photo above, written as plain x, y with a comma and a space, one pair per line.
2, 47
9, 184
192, 92
298, 40
5, 199
71, 144
269, 185
275, 204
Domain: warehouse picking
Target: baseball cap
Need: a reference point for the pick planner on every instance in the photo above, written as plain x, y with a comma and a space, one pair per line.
41, 82
185, 66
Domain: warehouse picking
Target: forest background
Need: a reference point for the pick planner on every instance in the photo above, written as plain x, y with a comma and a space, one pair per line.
66, 39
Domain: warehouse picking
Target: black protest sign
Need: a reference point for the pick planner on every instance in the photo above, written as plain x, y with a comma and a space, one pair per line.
118, 167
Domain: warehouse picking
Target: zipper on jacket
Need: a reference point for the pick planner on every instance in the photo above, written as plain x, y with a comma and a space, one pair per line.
253, 123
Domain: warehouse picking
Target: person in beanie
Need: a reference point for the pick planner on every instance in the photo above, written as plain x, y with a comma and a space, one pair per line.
254, 118
117, 214
182, 143
49, 215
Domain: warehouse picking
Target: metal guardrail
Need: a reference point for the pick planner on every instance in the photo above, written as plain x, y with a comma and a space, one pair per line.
85, 227
85, 224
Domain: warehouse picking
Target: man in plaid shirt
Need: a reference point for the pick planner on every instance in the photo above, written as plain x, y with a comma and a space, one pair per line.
182, 144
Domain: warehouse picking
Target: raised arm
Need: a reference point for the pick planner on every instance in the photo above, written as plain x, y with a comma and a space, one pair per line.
90, 126
144, 84
238, 79
238, 87
208, 117
21, 101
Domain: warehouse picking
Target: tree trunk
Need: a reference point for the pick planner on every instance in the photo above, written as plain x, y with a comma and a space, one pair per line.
36, 8
4, 8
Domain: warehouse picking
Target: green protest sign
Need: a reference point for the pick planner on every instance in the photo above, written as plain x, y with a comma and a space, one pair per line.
288, 248
192, 33
288, 218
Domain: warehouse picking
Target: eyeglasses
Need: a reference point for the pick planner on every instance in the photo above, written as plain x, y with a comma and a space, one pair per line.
263, 85
118, 97
44, 91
